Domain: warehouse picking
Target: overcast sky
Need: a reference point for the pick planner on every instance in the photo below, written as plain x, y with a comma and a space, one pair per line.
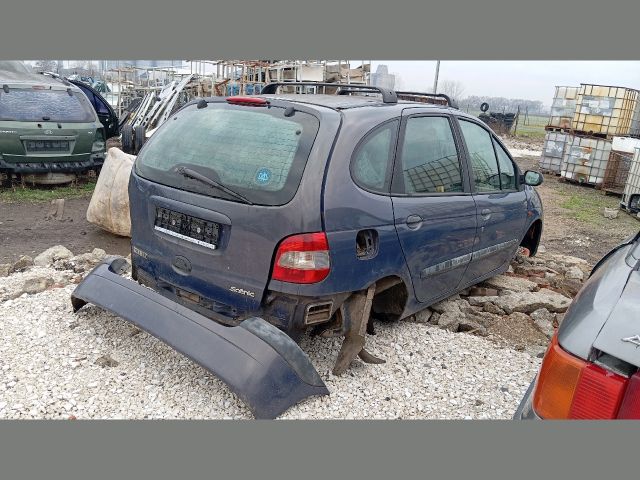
527, 80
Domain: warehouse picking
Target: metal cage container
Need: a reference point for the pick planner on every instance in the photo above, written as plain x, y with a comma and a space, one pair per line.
617, 171
585, 160
635, 121
604, 110
563, 107
553, 151
632, 186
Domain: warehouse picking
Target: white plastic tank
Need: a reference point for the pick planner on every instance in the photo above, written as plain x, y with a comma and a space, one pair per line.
585, 160
632, 186
605, 110
553, 150
563, 107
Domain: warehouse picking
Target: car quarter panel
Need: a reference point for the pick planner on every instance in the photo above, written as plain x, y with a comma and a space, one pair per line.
349, 209
593, 304
620, 335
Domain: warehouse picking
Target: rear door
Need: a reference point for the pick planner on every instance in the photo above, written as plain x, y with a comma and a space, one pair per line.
434, 211
500, 201
105, 112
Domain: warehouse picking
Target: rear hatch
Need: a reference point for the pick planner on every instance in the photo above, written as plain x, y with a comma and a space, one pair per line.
43, 124
212, 246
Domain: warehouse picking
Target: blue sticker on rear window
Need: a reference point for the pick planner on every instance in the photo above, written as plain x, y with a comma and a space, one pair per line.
263, 176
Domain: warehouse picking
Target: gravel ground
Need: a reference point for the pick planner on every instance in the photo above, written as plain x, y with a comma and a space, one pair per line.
57, 364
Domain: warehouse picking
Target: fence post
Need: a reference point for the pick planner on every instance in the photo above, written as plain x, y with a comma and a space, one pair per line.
515, 126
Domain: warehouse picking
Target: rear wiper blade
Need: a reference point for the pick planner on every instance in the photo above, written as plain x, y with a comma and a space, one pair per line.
187, 172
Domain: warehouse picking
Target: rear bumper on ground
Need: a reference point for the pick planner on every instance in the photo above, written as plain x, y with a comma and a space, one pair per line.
261, 364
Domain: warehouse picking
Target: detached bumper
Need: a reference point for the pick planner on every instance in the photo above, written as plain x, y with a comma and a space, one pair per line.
258, 362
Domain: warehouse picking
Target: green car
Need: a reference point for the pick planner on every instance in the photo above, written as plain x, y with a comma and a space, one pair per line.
49, 130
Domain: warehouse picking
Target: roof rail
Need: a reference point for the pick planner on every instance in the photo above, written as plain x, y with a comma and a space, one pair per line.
449, 100
388, 96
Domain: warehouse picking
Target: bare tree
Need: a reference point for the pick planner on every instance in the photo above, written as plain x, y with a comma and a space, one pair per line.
452, 88
46, 66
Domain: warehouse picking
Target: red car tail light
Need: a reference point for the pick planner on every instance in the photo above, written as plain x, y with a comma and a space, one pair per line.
557, 382
598, 394
302, 258
630, 406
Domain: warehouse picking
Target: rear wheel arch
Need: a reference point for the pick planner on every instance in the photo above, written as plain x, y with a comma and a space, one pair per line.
390, 299
531, 239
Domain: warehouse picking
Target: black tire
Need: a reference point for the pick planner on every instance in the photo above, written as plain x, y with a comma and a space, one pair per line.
5, 180
127, 139
139, 134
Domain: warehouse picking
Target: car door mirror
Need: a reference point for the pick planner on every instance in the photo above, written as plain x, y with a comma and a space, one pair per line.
532, 178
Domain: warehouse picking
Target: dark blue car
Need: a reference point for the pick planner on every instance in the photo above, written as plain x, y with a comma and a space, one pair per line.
323, 211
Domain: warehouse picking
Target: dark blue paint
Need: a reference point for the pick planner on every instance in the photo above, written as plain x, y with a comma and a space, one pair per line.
328, 200
262, 365
506, 221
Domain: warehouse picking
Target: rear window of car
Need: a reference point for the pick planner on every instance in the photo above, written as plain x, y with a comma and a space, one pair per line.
29, 105
257, 152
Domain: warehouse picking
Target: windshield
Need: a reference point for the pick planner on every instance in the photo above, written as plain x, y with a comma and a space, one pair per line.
257, 152
28, 105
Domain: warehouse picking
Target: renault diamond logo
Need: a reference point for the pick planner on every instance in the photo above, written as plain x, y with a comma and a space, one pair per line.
635, 340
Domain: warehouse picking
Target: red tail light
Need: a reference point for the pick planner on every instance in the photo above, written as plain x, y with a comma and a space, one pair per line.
570, 388
302, 258
630, 407
598, 394
255, 101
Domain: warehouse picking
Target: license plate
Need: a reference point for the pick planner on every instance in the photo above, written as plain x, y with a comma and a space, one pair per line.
47, 145
187, 227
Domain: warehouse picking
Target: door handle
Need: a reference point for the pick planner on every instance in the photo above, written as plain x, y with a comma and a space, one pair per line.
414, 221
485, 213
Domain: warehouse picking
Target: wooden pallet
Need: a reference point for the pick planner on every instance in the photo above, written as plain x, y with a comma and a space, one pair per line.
578, 182
611, 191
551, 128
601, 136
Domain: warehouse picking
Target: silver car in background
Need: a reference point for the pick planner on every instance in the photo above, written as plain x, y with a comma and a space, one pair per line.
591, 369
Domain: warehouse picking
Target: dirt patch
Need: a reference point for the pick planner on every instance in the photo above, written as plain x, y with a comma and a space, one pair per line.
28, 229
517, 331
574, 223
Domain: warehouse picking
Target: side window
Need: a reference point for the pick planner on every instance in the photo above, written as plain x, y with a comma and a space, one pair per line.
483, 159
371, 160
507, 170
101, 108
89, 95
429, 160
